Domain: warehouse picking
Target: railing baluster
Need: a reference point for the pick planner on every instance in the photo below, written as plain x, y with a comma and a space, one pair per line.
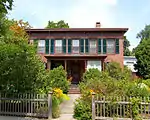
148, 107
104, 107
97, 107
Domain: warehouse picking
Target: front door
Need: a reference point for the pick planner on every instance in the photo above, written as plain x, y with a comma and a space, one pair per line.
75, 71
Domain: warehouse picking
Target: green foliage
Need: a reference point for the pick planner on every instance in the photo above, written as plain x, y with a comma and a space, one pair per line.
82, 110
142, 55
135, 109
126, 45
91, 74
59, 24
135, 90
145, 33
115, 71
146, 82
21, 69
112, 82
5, 5
58, 79
55, 107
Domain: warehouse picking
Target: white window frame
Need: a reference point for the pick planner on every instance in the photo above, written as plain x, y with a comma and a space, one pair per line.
94, 64
75, 46
58, 46
41, 46
110, 47
92, 46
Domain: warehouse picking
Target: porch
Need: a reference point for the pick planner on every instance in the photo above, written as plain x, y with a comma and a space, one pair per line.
75, 67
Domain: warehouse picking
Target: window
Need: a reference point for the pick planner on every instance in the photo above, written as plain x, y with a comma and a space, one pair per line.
75, 46
41, 46
110, 46
92, 46
94, 64
58, 46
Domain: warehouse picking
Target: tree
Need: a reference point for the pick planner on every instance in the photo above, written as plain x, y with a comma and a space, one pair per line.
142, 55
5, 6
126, 45
59, 24
21, 68
145, 33
14, 31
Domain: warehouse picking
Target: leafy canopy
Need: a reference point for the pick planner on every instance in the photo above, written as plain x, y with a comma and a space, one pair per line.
126, 45
59, 24
142, 54
5, 6
145, 33
21, 68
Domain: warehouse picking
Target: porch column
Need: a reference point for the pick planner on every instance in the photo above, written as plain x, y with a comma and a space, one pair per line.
48, 64
85, 65
65, 65
103, 65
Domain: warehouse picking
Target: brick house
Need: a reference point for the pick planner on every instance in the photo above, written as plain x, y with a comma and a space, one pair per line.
78, 49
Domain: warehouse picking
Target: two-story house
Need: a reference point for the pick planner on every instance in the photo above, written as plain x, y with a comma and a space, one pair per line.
78, 49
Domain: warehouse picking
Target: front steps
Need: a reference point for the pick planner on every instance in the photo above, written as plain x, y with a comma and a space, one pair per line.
74, 89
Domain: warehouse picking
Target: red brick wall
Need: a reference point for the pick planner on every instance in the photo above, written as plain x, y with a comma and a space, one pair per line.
117, 57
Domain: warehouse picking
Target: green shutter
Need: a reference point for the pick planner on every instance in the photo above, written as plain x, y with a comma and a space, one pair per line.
86, 45
64, 45
69, 45
52, 46
99, 46
82, 45
47, 46
104, 46
117, 46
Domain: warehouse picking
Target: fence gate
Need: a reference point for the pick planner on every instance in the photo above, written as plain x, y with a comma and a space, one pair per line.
32, 105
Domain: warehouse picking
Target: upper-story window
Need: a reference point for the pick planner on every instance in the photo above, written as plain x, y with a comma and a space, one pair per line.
58, 46
92, 46
110, 46
41, 46
75, 46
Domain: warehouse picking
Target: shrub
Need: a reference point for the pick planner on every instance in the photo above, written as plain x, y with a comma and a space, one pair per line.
82, 109
115, 71
57, 98
91, 74
58, 79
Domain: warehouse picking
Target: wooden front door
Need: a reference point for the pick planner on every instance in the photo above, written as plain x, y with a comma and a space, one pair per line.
75, 71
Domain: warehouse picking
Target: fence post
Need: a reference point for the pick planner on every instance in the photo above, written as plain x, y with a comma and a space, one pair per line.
49, 105
93, 106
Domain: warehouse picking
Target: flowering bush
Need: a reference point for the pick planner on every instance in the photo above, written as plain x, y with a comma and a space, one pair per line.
58, 79
57, 98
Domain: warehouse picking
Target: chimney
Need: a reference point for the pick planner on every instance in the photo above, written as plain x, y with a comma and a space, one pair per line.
98, 24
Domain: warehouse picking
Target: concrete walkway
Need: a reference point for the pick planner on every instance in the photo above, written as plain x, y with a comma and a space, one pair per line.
67, 108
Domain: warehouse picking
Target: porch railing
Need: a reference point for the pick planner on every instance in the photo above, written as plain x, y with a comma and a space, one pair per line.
33, 105
106, 108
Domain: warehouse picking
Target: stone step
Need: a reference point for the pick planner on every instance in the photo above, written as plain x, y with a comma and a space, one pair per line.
74, 91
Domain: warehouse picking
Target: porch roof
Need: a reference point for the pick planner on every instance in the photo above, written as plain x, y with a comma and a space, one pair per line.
75, 57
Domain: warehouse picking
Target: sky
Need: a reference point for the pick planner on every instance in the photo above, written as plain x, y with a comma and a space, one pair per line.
132, 14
